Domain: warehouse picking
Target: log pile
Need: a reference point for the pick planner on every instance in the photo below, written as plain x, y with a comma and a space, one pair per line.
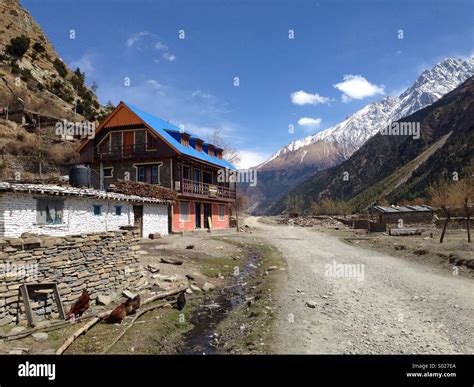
144, 189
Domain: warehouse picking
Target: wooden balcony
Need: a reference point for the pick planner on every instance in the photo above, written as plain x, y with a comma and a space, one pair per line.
115, 152
200, 190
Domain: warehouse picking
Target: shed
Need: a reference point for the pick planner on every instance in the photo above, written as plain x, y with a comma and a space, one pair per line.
409, 214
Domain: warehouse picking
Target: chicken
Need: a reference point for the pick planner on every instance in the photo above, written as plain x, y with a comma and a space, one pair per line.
131, 305
117, 315
181, 301
80, 306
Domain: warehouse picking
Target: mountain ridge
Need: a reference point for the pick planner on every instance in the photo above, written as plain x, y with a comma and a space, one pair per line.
382, 156
342, 140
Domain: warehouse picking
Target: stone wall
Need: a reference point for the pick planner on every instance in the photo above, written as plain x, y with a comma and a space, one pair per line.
102, 263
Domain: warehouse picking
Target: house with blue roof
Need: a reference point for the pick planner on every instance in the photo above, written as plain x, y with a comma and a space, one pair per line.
131, 144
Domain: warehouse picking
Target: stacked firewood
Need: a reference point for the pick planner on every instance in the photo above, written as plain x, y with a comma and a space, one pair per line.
144, 189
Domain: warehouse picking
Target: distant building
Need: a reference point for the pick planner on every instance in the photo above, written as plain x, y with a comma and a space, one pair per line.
408, 214
131, 144
57, 210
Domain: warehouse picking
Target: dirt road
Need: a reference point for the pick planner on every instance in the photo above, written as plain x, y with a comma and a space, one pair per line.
383, 305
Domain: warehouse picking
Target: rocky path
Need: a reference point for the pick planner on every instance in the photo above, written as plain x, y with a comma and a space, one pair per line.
380, 304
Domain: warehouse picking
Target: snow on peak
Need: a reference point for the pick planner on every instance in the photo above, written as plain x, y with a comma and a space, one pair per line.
356, 129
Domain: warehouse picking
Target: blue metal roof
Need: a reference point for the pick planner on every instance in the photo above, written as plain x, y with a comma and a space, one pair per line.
162, 127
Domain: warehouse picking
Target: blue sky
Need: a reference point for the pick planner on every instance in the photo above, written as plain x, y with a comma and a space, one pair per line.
344, 55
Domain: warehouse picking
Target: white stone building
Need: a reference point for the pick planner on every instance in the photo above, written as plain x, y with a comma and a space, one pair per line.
63, 210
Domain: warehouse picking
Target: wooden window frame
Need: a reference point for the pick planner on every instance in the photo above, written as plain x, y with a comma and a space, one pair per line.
99, 206
38, 210
221, 218
181, 219
119, 208
111, 172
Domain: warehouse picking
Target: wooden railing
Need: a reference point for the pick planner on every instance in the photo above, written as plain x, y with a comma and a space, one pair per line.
204, 190
116, 152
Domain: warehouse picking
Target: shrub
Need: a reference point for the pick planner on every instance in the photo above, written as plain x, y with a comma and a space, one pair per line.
57, 87
60, 67
18, 46
38, 47
294, 204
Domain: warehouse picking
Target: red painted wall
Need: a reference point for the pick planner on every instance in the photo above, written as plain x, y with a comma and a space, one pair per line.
216, 223
177, 224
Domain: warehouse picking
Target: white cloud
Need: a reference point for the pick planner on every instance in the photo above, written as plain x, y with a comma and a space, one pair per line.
161, 47
309, 122
136, 37
170, 57
357, 87
84, 63
251, 158
202, 94
301, 97
155, 85
145, 40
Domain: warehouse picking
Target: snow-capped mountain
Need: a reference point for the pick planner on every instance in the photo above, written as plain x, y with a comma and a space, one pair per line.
355, 130
303, 158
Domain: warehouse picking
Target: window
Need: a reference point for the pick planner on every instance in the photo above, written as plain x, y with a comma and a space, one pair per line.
116, 142
97, 209
141, 174
149, 173
140, 141
154, 174
109, 172
186, 172
150, 142
221, 212
184, 211
118, 210
49, 211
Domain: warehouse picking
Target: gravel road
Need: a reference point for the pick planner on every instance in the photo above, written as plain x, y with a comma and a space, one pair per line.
384, 305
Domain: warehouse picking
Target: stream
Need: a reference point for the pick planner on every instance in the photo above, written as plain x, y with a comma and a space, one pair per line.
202, 338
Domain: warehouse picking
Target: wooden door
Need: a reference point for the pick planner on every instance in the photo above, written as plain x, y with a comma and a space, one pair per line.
207, 215
138, 218
127, 143
197, 214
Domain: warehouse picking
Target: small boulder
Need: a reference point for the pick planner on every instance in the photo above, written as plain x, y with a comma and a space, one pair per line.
152, 268
311, 304
102, 299
130, 295
208, 286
